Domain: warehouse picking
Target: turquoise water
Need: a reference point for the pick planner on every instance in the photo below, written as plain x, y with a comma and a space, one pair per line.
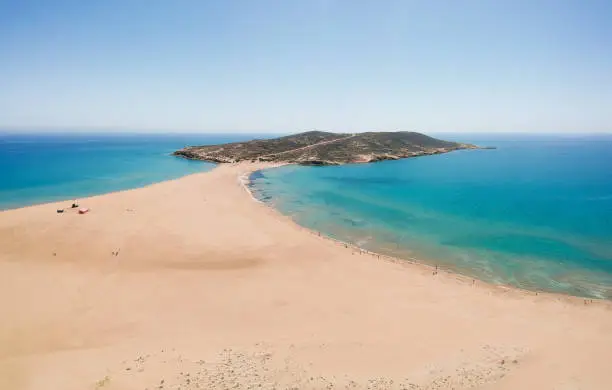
535, 213
38, 168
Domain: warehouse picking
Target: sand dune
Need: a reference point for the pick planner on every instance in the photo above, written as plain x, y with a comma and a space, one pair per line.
210, 289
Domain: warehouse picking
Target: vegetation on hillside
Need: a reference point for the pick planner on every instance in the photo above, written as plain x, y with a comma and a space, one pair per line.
322, 148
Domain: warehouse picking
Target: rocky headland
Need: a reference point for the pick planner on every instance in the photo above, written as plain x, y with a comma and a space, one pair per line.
323, 148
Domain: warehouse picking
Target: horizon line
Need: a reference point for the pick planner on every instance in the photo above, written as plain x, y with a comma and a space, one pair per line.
122, 130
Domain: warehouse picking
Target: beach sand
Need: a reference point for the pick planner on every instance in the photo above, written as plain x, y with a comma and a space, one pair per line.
211, 289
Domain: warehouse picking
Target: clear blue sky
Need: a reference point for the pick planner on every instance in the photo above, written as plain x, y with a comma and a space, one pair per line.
287, 65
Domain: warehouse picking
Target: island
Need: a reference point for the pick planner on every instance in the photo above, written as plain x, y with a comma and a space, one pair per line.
325, 148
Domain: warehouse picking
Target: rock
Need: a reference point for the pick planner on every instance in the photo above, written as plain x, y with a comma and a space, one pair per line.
317, 148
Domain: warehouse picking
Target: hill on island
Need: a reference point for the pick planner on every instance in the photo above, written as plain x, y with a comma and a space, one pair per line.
323, 148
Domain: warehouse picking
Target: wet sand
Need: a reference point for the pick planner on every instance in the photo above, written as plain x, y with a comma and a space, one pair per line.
190, 283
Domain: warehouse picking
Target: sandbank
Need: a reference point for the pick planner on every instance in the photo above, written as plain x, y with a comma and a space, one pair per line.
190, 283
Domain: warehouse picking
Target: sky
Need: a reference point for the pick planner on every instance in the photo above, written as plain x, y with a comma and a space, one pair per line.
289, 65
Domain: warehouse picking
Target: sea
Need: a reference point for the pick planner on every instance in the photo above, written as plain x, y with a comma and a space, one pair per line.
534, 213
40, 168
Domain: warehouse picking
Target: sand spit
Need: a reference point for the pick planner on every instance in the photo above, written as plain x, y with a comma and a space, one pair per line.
190, 284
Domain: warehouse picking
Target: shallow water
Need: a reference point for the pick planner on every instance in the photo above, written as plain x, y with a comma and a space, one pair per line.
535, 213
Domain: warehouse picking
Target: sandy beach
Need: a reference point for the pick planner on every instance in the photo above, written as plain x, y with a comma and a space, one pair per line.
192, 284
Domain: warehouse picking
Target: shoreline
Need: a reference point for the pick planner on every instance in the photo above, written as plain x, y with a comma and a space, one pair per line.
420, 265
50, 202
413, 261
192, 283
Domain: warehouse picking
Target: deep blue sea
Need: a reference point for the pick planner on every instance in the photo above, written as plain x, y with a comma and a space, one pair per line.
535, 213
39, 168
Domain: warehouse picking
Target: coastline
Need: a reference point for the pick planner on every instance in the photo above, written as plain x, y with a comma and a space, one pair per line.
96, 194
422, 265
191, 283
414, 261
